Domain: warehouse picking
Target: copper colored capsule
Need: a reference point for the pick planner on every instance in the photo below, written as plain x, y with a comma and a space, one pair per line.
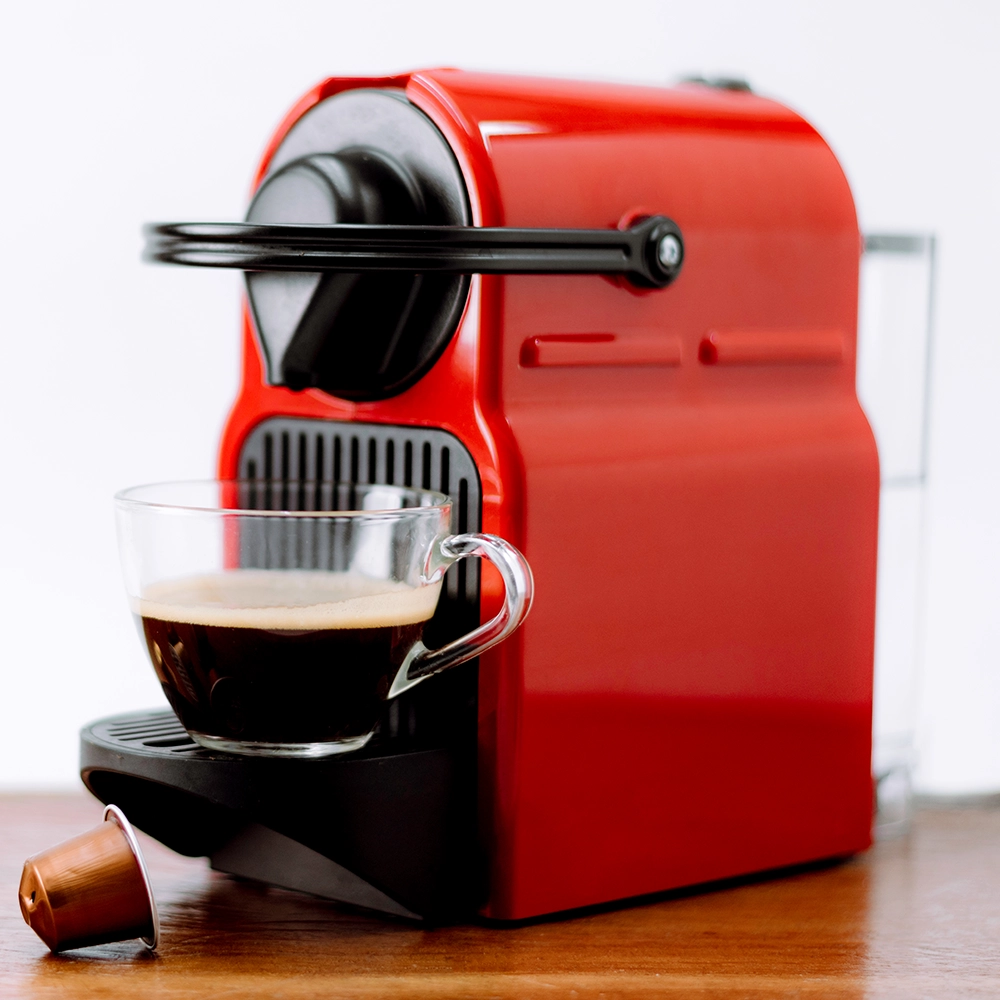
90, 890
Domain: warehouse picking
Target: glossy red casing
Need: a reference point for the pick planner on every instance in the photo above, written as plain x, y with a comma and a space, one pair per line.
688, 472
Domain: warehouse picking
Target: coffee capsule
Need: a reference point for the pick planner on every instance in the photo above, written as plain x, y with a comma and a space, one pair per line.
90, 890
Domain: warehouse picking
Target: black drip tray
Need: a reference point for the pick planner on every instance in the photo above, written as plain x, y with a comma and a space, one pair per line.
390, 831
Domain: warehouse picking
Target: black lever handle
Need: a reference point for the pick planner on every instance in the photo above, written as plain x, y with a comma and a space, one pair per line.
649, 254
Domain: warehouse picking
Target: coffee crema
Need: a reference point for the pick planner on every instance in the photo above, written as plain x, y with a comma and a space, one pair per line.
280, 656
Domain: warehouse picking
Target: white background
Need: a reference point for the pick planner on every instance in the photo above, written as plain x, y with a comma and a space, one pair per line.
116, 373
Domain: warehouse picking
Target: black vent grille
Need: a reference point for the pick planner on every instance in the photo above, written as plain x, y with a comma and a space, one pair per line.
300, 455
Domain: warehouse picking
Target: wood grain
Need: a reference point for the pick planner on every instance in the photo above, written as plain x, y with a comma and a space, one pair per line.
915, 917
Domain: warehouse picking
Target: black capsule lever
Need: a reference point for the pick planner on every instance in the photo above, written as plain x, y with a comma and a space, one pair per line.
649, 254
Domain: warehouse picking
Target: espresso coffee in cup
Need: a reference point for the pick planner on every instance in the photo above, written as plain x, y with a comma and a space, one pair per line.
283, 657
283, 632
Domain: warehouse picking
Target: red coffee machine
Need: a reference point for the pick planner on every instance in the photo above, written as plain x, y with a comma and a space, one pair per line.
617, 325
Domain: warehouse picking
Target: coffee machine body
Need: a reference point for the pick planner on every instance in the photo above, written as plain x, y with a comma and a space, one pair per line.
687, 470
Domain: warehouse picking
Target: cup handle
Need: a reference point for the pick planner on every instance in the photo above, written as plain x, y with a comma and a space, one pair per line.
421, 662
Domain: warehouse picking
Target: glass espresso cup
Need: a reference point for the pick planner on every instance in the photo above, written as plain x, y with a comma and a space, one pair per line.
279, 618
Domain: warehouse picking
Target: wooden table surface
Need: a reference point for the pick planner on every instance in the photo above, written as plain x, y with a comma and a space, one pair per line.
916, 917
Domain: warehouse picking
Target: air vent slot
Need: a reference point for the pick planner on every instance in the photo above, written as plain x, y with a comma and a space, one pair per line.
297, 461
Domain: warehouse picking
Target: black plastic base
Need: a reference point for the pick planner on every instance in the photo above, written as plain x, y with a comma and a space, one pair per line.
390, 831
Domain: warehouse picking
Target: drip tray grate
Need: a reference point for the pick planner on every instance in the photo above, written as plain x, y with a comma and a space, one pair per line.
157, 731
